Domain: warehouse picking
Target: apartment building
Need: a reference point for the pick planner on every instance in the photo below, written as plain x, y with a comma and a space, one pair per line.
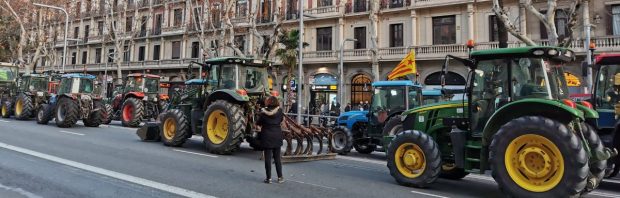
166, 40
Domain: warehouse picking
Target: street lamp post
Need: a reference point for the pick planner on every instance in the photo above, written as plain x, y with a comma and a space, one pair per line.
341, 73
105, 73
300, 76
64, 50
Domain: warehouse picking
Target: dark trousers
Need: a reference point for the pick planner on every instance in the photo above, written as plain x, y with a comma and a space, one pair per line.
275, 153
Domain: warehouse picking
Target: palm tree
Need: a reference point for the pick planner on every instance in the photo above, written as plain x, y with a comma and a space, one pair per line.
288, 53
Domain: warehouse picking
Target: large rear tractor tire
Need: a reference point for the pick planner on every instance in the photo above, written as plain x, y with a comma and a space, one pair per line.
414, 159
393, 126
364, 148
534, 156
44, 114
94, 118
23, 107
132, 112
223, 126
597, 167
174, 128
108, 111
5, 109
67, 112
451, 172
342, 140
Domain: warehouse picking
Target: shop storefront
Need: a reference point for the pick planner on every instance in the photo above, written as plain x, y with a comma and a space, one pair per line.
323, 90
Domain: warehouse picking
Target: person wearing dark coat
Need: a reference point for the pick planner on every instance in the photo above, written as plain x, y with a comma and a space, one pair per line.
271, 136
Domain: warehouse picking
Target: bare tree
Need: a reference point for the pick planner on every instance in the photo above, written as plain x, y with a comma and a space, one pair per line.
374, 49
547, 19
115, 25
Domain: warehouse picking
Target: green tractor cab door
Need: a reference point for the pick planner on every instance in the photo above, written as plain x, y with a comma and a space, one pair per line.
390, 99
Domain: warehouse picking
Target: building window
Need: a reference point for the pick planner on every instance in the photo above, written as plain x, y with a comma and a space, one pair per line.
359, 33
324, 39
76, 32
141, 51
240, 43
195, 49
111, 55
143, 26
360, 89
73, 58
322, 3
291, 9
615, 19
86, 32
176, 49
265, 46
100, 28
493, 28
126, 53
561, 25
98, 55
360, 6
128, 24
196, 23
84, 57
242, 8
266, 11
396, 3
444, 30
178, 17
396, 35
156, 49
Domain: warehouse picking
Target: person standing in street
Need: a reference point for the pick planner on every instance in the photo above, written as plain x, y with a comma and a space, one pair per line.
271, 136
366, 106
347, 108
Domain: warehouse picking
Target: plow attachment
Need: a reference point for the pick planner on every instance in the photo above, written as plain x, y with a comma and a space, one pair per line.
149, 132
300, 142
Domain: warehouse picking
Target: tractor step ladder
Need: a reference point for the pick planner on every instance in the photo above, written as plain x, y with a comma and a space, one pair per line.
473, 154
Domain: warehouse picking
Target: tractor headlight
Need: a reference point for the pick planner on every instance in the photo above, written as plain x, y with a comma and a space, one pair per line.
145, 98
553, 52
538, 52
31, 88
40, 94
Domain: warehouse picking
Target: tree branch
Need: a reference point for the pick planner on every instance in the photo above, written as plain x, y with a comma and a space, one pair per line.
509, 26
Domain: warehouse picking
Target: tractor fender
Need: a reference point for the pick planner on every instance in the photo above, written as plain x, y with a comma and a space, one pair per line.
228, 95
587, 112
552, 109
67, 95
133, 94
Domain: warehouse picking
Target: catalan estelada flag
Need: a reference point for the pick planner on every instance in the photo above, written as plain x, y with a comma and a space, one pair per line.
405, 67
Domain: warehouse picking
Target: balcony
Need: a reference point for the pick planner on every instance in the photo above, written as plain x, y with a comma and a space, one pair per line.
156, 31
292, 15
240, 20
435, 3
325, 11
174, 30
394, 4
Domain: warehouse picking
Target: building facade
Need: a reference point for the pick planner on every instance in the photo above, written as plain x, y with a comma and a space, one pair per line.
166, 40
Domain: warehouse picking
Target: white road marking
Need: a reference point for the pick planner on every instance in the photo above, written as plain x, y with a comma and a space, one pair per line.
4, 121
428, 194
611, 181
311, 184
20, 191
109, 173
604, 194
361, 160
201, 154
72, 133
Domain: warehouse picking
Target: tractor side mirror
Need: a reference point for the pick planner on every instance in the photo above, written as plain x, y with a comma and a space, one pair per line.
584, 68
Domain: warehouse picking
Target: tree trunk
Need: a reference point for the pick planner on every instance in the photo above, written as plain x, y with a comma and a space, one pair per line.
501, 32
374, 22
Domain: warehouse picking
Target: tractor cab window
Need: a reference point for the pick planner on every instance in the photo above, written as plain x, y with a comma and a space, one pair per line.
135, 83
24, 83
227, 76
86, 85
151, 85
608, 87
38, 84
529, 79
489, 91
386, 101
415, 97
65, 86
254, 79
8, 73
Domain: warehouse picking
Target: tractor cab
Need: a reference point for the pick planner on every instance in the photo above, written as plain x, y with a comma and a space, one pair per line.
606, 101
8, 76
34, 83
391, 98
77, 84
243, 75
145, 83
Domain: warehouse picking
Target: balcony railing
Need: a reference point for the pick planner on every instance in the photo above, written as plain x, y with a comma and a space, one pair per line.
430, 3
292, 15
322, 10
392, 4
156, 31
240, 19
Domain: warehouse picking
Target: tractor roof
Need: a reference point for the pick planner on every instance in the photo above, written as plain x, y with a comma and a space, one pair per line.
240, 60
196, 82
395, 83
78, 75
431, 92
37, 75
143, 75
564, 53
608, 59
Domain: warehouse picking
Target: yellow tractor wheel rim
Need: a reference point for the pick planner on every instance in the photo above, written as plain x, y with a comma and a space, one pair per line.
217, 127
448, 166
410, 160
4, 110
170, 128
19, 107
534, 163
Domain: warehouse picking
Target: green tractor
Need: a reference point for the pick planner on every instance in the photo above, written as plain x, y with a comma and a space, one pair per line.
220, 107
32, 93
515, 121
8, 87
75, 100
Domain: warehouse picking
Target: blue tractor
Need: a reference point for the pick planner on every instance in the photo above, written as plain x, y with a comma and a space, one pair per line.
364, 130
74, 100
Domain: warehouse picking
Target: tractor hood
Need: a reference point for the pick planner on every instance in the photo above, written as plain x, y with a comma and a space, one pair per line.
439, 105
351, 117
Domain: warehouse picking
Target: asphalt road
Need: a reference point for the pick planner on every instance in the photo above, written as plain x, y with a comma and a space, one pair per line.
110, 161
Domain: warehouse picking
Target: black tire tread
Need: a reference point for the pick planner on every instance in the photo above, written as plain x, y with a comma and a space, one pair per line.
47, 114
138, 112
95, 118
394, 121
27, 108
597, 168
71, 112
431, 152
349, 144
238, 121
182, 128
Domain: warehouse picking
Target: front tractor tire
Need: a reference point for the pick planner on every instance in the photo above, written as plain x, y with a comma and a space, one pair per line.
67, 112
45, 113
597, 167
414, 159
174, 128
5, 109
342, 140
95, 117
108, 111
223, 126
540, 157
393, 126
132, 112
23, 107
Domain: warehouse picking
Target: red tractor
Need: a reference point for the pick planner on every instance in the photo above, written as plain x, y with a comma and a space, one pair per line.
136, 100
